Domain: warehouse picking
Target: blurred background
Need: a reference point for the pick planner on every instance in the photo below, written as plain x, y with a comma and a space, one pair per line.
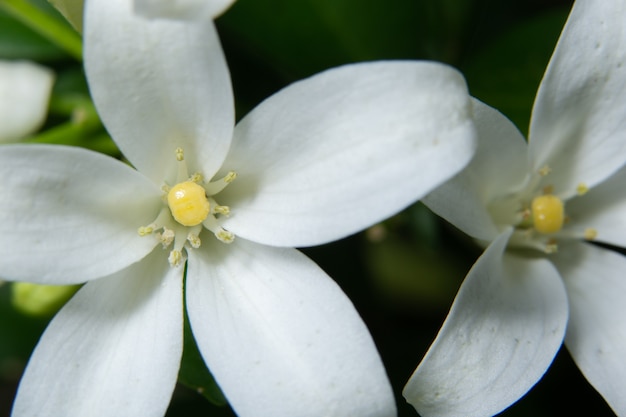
402, 275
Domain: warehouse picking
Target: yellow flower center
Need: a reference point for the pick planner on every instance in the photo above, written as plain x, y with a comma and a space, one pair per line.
548, 214
189, 208
188, 203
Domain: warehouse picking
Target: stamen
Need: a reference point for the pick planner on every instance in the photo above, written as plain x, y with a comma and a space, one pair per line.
175, 258
551, 246
223, 210
194, 236
215, 187
198, 178
582, 189
223, 235
180, 154
545, 170
167, 237
590, 233
146, 230
194, 240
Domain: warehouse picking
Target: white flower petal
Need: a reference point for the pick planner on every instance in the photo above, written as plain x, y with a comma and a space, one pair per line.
596, 335
603, 208
24, 94
499, 165
504, 328
159, 85
182, 9
335, 153
280, 336
579, 118
68, 215
113, 350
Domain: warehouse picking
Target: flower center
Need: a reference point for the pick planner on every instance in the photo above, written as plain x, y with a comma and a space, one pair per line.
538, 215
188, 203
189, 207
548, 213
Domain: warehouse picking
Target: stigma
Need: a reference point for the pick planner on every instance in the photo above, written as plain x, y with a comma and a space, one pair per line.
189, 207
548, 214
188, 203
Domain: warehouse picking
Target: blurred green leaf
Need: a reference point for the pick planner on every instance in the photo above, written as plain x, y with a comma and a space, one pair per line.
299, 38
508, 71
19, 42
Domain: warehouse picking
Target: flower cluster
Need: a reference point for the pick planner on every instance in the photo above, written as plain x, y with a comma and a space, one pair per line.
215, 209
201, 217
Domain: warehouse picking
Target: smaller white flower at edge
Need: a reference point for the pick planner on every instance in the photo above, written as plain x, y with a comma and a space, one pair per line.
534, 206
318, 161
25, 89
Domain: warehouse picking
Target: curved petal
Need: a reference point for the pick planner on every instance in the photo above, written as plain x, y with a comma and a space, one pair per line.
500, 165
113, 350
335, 153
159, 85
579, 119
182, 9
68, 215
603, 208
280, 336
24, 94
504, 328
596, 335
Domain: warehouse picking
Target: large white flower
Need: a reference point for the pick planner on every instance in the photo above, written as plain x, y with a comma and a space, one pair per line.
320, 160
536, 205
25, 89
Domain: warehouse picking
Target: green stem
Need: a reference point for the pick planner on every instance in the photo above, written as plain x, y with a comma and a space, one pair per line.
58, 32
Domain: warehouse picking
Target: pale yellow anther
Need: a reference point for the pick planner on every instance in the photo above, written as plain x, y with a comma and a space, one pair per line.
230, 177
145, 230
166, 237
590, 233
223, 210
545, 170
175, 257
188, 203
581, 189
551, 246
180, 154
198, 178
194, 240
225, 236
548, 214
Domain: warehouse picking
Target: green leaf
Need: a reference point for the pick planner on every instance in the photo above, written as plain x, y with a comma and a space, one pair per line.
299, 38
19, 42
506, 74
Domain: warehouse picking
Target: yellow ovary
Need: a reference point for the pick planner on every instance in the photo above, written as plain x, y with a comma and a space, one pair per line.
548, 214
188, 203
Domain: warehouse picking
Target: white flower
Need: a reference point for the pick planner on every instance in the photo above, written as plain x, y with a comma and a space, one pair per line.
25, 90
536, 205
318, 161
